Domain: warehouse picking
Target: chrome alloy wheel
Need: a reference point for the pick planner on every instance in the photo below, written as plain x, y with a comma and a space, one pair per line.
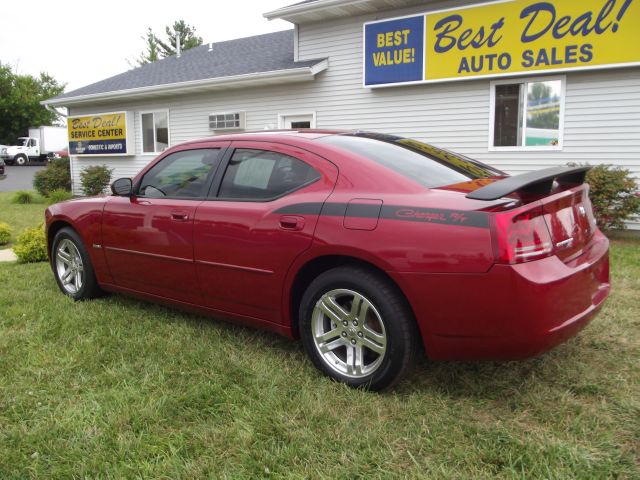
69, 266
349, 333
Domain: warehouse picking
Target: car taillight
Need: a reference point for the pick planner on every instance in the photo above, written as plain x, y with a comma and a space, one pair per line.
588, 209
521, 236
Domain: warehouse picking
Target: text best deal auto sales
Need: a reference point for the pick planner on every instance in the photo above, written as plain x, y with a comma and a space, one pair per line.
502, 38
96, 127
541, 20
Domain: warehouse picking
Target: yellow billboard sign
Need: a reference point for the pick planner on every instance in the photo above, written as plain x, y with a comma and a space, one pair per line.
100, 134
505, 38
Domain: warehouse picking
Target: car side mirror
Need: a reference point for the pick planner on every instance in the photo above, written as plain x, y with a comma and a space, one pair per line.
122, 187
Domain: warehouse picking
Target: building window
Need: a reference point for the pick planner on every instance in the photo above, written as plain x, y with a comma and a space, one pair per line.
155, 131
227, 121
297, 121
527, 114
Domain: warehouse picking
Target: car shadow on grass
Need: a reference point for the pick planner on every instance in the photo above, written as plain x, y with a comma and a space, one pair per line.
225, 326
563, 369
563, 365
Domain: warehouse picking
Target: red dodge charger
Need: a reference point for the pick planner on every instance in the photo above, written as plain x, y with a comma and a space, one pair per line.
366, 246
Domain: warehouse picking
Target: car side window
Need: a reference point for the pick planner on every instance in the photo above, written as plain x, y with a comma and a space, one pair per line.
182, 174
262, 175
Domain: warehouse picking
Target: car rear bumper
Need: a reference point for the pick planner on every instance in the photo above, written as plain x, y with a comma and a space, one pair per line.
512, 311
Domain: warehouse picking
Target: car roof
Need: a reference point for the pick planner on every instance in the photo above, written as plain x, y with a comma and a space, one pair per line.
261, 135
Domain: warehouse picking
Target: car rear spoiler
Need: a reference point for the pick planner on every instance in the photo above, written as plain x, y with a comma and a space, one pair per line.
537, 182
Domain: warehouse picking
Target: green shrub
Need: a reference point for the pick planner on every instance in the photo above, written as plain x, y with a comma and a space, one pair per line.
62, 162
57, 176
31, 245
59, 195
5, 233
95, 179
22, 196
614, 195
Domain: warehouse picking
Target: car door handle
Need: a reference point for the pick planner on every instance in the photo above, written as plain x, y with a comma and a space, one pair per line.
290, 222
179, 217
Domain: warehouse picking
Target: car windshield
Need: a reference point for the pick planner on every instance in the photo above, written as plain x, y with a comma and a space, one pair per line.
428, 165
21, 142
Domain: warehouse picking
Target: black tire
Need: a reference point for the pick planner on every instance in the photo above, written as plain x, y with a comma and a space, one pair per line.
397, 338
64, 242
21, 160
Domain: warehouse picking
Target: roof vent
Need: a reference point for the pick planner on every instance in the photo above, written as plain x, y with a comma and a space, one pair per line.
210, 46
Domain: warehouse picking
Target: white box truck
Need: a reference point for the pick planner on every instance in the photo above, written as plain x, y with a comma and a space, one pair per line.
41, 142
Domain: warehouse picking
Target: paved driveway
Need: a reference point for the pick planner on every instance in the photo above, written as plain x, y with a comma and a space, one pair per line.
18, 178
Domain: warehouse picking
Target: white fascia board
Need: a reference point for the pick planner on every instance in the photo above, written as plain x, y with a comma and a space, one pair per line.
286, 12
291, 75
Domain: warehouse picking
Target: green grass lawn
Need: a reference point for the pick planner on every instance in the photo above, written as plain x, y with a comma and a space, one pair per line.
121, 388
20, 217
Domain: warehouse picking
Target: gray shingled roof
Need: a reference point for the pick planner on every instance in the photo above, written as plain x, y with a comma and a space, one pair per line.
262, 53
300, 3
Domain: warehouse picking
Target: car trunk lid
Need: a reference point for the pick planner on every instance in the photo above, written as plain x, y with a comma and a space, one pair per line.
536, 215
569, 217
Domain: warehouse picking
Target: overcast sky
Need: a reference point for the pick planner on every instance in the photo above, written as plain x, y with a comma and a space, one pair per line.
80, 43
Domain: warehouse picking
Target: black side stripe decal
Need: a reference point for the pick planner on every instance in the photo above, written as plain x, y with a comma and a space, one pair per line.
436, 215
391, 212
301, 209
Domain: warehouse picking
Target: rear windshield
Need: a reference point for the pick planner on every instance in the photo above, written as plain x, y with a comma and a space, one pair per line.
428, 165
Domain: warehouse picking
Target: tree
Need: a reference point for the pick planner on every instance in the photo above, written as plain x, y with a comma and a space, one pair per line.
20, 97
151, 53
188, 38
157, 48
